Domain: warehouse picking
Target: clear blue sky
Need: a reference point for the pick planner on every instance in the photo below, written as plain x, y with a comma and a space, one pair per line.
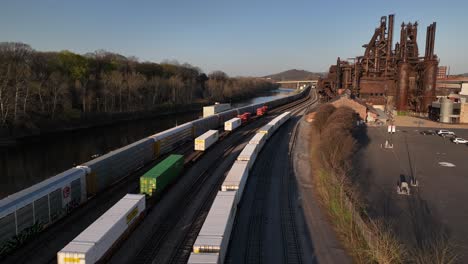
240, 37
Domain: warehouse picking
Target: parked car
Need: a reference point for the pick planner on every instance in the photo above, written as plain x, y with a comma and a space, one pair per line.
428, 132
444, 133
459, 141
450, 136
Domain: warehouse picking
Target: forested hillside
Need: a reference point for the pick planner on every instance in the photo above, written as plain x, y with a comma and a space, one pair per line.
37, 86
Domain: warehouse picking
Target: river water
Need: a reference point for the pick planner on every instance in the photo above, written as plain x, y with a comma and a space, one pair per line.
34, 159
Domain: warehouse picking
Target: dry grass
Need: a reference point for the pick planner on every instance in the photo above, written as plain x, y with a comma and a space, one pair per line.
435, 251
331, 153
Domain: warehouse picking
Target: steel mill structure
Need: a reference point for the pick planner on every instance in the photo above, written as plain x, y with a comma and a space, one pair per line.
397, 78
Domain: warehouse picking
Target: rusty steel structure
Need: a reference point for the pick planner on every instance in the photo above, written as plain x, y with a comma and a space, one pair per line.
395, 77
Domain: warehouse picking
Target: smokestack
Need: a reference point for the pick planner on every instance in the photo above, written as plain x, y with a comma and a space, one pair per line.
390, 35
433, 39
338, 73
428, 33
430, 41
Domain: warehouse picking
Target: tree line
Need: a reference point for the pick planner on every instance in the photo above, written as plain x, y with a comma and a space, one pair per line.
63, 85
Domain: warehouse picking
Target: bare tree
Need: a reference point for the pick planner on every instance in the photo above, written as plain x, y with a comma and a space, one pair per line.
58, 88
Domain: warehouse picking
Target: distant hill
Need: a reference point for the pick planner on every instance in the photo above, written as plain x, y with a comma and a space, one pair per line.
292, 75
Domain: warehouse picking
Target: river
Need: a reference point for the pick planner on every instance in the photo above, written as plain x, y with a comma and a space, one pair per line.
34, 159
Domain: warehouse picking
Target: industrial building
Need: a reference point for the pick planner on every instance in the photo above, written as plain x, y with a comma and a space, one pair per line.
451, 109
396, 78
451, 105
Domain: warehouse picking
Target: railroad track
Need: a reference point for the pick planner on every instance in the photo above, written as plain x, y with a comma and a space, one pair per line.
292, 252
254, 249
150, 251
184, 247
103, 200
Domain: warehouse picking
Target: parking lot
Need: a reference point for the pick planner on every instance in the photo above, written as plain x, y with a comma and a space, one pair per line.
439, 204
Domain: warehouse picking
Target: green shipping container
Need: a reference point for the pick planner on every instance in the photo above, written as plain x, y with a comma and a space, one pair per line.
156, 179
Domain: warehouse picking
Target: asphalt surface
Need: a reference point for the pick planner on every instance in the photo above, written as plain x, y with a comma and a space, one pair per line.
325, 246
438, 205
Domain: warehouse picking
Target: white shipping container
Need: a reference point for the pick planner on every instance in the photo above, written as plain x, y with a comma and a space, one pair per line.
258, 139
214, 109
204, 141
215, 233
266, 129
203, 258
232, 124
249, 153
278, 121
94, 242
236, 179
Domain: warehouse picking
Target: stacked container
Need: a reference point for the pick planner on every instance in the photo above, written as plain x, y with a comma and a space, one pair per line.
204, 141
214, 109
245, 117
232, 124
279, 120
259, 139
266, 129
203, 258
215, 233
95, 241
249, 154
262, 110
236, 179
161, 175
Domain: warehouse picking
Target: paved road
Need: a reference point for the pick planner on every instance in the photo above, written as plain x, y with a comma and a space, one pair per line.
439, 203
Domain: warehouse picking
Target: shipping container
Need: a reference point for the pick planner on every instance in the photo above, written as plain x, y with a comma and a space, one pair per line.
262, 110
279, 120
245, 117
216, 230
203, 258
161, 175
236, 179
204, 141
258, 139
249, 153
232, 124
49, 204
214, 109
95, 241
266, 129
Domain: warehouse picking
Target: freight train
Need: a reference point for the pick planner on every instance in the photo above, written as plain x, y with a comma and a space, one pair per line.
212, 242
40, 205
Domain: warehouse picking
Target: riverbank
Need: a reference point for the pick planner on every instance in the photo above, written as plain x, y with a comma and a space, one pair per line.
32, 159
10, 136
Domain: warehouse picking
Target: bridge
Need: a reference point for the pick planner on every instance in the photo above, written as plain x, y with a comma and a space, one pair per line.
297, 84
